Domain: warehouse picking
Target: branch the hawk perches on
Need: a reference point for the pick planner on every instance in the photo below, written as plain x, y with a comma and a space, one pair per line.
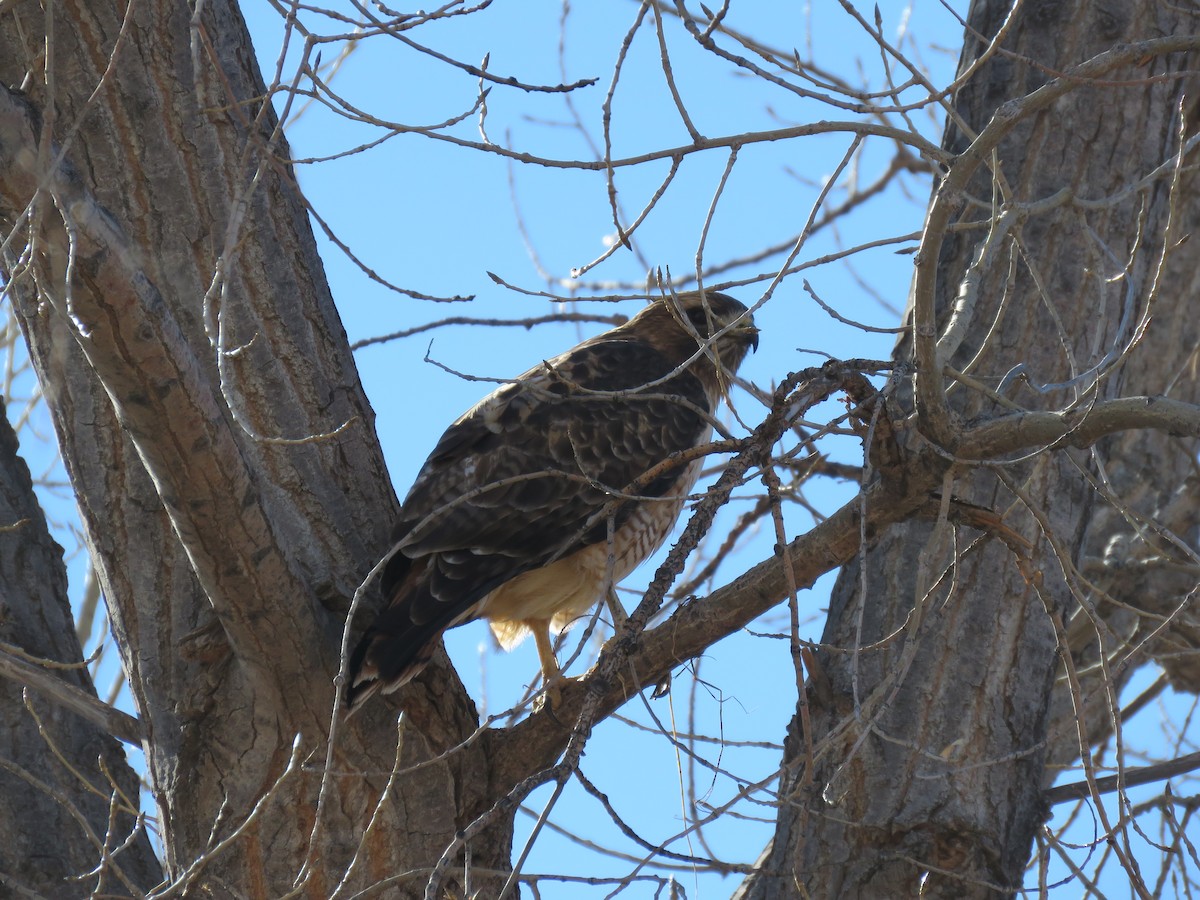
509, 518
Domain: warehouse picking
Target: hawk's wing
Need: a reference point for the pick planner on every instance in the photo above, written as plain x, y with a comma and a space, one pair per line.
522, 479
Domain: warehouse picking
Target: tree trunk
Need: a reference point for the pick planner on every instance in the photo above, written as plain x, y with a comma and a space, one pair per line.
70, 799
941, 698
227, 557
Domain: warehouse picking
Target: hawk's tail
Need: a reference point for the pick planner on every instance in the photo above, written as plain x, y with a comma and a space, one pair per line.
389, 657
404, 637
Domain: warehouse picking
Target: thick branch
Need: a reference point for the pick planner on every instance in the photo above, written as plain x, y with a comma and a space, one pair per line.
1081, 427
86, 705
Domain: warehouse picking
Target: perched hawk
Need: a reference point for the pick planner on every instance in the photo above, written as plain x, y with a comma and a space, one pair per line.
517, 512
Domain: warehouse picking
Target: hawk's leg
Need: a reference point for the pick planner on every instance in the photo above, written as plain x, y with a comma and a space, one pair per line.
552, 676
615, 609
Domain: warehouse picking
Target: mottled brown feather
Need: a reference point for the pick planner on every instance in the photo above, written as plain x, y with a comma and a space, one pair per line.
508, 518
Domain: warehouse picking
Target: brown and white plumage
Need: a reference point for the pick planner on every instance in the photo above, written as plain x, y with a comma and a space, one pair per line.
508, 519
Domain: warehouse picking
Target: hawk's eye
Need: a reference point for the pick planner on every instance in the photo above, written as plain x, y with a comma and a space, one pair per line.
699, 320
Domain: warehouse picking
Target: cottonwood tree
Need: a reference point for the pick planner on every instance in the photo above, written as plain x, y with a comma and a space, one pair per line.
1019, 544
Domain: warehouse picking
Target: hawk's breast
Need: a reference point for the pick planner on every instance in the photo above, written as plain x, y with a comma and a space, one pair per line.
566, 589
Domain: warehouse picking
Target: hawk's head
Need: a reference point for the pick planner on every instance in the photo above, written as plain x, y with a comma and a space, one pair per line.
680, 325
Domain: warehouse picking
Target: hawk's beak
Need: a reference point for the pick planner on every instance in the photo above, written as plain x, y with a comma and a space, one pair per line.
748, 333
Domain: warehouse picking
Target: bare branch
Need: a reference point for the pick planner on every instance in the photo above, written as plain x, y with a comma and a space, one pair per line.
118, 724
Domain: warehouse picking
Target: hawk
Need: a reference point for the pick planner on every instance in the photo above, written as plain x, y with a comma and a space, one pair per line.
545, 494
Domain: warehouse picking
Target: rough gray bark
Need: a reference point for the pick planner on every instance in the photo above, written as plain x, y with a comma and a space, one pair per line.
54, 828
933, 732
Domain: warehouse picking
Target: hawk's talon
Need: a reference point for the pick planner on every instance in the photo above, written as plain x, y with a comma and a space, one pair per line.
551, 695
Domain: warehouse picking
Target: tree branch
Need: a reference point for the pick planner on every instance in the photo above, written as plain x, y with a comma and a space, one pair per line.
117, 723
933, 415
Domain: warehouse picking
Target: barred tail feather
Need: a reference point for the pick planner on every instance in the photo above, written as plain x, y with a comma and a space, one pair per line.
384, 661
